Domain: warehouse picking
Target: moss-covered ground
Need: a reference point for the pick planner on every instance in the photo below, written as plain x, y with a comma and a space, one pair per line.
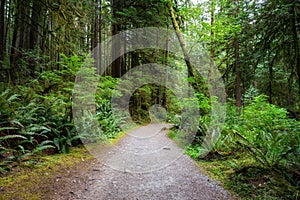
241, 175
33, 179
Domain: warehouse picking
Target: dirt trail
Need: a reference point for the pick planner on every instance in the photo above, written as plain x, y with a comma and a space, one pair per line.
145, 164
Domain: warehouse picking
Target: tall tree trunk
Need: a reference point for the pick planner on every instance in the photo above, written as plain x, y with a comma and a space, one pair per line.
290, 97
117, 45
237, 67
96, 25
14, 51
238, 80
270, 87
124, 56
34, 28
212, 39
164, 89
34, 32
192, 72
212, 32
24, 22
100, 38
2, 32
95, 39
7, 23
296, 43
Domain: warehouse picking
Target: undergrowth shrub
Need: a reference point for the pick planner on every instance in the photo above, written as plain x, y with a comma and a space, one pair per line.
269, 135
263, 132
37, 116
109, 123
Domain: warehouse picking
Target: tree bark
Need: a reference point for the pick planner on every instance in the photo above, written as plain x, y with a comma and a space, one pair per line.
34, 28
34, 33
117, 44
95, 38
192, 72
100, 38
271, 77
296, 44
14, 51
212, 32
24, 22
237, 67
238, 80
96, 25
2, 31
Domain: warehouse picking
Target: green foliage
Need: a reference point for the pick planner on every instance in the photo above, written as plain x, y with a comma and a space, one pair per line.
240, 174
109, 124
264, 133
37, 117
257, 155
267, 133
63, 140
256, 39
194, 150
106, 87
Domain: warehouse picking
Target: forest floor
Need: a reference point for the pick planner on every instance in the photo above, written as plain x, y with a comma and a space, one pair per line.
145, 164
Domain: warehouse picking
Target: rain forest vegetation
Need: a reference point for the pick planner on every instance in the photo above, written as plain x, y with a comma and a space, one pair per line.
253, 43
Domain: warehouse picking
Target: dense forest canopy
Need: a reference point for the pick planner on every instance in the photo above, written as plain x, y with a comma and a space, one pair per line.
254, 44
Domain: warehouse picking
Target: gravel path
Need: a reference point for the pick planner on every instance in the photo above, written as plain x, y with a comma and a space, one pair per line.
143, 165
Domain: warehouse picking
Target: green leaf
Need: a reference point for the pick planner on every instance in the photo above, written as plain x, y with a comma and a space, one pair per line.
7, 128
12, 137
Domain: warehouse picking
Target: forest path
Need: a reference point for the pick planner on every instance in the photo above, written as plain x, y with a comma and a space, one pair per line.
145, 164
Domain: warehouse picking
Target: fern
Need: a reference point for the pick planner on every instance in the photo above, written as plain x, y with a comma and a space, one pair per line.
12, 137
7, 128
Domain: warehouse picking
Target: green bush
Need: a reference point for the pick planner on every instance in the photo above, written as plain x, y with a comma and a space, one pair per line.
109, 124
267, 133
36, 116
261, 130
